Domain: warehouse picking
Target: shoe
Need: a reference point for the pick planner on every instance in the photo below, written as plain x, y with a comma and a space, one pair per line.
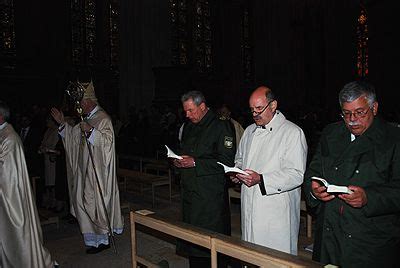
94, 250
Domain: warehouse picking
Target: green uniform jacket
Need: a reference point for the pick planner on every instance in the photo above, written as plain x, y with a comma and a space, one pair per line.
358, 237
204, 194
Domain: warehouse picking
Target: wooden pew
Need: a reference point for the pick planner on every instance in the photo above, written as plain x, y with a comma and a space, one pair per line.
216, 243
143, 179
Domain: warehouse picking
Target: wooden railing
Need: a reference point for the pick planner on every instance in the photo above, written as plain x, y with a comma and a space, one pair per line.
216, 243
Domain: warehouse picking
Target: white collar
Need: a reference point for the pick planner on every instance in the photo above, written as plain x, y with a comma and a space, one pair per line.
2, 126
271, 124
89, 115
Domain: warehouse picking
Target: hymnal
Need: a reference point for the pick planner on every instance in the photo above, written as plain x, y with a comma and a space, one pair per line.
233, 169
331, 188
171, 154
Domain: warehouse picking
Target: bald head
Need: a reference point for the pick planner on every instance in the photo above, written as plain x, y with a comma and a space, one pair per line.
263, 105
261, 92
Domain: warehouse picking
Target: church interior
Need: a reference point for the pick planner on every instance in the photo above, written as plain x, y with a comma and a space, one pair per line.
142, 55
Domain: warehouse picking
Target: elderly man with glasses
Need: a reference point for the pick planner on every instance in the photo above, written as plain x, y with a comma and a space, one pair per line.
273, 151
360, 228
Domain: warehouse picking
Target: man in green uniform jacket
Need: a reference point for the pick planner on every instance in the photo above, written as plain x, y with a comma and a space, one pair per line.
360, 229
205, 141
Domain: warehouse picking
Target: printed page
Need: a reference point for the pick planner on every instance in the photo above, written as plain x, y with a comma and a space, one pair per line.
171, 154
233, 169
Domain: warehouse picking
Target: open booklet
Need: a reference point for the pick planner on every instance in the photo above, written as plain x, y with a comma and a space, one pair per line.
331, 188
171, 154
232, 169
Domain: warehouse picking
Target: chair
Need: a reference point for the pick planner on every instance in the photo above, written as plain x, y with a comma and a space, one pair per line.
303, 207
233, 192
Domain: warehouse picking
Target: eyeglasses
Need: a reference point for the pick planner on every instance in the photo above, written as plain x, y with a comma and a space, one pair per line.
255, 113
356, 114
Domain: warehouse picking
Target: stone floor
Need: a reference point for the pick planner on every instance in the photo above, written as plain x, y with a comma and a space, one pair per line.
66, 246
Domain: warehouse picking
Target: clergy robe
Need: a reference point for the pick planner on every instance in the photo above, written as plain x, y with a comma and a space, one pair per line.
21, 243
86, 204
271, 210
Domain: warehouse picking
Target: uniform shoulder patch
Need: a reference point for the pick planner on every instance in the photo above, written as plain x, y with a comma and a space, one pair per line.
228, 142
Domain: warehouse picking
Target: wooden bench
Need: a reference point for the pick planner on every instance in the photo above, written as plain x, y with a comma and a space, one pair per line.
144, 179
216, 243
303, 208
158, 166
233, 192
131, 160
141, 162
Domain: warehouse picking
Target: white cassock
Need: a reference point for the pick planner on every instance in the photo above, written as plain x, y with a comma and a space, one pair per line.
86, 204
21, 242
279, 153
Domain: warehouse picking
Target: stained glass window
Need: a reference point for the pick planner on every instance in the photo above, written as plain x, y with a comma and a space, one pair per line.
192, 34
202, 31
178, 15
90, 27
362, 42
83, 32
247, 53
114, 35
7, 34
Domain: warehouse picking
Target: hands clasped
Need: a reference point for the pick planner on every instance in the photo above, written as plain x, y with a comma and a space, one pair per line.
85, 126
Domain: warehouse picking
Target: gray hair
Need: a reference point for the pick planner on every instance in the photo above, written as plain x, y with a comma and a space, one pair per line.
194, 95
4, 110
270, 95
353, 90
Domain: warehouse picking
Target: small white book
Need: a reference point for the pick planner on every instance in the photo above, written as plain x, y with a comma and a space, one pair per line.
233, 169
331, 188
171, 154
